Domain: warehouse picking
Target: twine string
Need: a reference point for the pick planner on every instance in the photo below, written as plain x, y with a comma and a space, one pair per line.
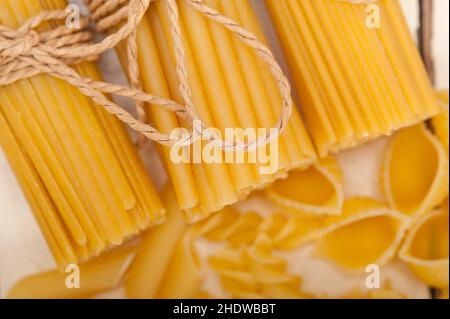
25, 52
110, 13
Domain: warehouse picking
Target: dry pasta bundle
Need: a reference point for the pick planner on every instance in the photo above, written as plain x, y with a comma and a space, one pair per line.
415, 172
425, 249
76, 164
315, 191
356, 79
97, 275
231, 88
366, 233
255, 273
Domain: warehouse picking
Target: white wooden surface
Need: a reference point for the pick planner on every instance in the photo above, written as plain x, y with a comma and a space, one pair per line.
23, 250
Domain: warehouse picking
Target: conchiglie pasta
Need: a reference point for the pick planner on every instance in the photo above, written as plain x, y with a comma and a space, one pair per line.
317, 190
230, 226
426, 249
239, 229
97, 275
366, 233
255, 272
415, 172
295, 231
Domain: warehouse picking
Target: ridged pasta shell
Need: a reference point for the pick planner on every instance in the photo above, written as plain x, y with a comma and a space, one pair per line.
366, 233
317, 190
289, 233
255, 272
441, 122
238, 229
230, 226
425, 249
415, 172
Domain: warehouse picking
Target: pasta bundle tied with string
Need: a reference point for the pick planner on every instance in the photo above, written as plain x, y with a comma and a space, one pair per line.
356, 69
76, 164
227, 79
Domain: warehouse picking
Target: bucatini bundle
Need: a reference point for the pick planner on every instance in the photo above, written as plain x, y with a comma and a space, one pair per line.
356, 79
76, 164
231, 88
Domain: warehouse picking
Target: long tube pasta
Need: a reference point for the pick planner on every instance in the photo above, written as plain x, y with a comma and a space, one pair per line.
355, 80
77, 165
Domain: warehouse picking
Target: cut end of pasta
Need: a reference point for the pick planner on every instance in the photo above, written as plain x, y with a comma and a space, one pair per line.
367, 233
315, 191
426, 248
415, 172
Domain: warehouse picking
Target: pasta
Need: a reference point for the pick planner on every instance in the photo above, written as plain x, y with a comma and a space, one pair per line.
366, 233
440, 122
97, 275
415, 172
76, 164
90, 192
355, 80
239, 230
230, 87
166, 265
385, 292
425, 249
443, 294
256, 273
317, 190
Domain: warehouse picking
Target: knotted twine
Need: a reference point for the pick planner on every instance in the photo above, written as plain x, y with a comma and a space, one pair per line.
24, 53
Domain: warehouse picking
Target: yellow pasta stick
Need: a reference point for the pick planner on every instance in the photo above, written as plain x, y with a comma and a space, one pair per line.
97, 275
356, 71
231, 88
85, 182
166, 264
